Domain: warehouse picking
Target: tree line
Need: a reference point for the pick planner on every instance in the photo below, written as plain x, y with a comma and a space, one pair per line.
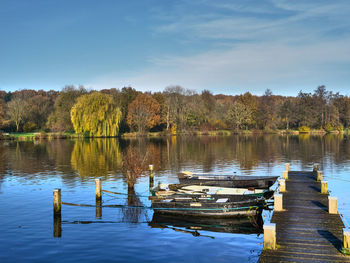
110, 112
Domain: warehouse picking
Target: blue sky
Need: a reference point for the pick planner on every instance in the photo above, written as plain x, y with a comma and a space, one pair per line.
226, 47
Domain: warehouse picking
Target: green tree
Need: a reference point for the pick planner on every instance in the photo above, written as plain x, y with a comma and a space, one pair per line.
96, 115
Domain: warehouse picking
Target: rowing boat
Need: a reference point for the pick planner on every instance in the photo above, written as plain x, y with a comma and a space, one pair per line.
226, 180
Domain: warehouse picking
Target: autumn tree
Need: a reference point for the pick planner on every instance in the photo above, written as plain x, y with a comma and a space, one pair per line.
60, 119
143, 113
16, 110
38, 109
96, 115
239, 115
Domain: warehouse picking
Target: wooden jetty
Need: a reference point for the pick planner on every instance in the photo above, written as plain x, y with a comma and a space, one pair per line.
305, 226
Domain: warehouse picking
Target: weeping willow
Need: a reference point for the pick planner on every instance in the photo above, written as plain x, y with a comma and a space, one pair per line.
95, 115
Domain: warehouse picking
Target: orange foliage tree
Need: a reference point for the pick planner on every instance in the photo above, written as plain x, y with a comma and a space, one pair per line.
143, 113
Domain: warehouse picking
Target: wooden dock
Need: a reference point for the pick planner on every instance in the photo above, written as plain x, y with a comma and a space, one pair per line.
305, 230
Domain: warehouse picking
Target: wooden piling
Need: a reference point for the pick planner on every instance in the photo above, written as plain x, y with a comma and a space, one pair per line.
346, 240
332, 205
285, 175
319, 176
287, 166
278, 202
269, 236
282, 185
98, 189
150, 167
57, 202
324, 187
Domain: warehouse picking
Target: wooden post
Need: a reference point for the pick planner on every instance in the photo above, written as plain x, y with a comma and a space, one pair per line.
270, 236
57, 217
315, 167
57, 202
151, 177
282, 185
324, 187
285, 175
319, 176
346, 240
287, 166
98, 189
278, 202
332, 205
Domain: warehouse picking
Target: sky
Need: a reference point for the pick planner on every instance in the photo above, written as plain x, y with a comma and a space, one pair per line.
227, 47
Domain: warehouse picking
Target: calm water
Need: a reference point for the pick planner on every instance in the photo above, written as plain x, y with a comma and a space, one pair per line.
30, 171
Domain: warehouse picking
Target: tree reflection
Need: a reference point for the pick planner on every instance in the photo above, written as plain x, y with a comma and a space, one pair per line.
135, 164
96, 157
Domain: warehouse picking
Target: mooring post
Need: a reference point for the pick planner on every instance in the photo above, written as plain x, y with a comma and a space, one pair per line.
287, 166
278, 202
151, 176
270, 236
57, 202
282, 185
346, 240
332, 205
57, 217
98, 189
285, 175
315, 167
324, 187
319, 176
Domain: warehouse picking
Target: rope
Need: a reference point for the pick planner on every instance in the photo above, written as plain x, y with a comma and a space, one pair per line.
117, 193
344, 220
163, 208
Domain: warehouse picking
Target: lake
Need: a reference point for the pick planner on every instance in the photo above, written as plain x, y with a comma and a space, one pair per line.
29, 171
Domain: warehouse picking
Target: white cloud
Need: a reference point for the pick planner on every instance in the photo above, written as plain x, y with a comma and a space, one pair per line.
287, 48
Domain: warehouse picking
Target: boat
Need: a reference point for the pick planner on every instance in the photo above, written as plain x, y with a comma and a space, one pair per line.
178, 189
208, 206
192, 225
226, 180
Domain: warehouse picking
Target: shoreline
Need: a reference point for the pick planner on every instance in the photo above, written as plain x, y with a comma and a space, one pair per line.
68, 135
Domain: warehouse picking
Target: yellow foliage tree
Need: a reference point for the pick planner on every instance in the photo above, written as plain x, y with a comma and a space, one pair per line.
96, 115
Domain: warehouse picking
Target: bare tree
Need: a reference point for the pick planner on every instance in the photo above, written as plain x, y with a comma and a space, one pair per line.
16, 111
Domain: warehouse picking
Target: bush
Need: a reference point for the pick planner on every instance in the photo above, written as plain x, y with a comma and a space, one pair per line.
29, 127
304, 129
328, 128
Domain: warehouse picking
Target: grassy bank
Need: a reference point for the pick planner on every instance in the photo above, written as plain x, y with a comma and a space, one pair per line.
31, 136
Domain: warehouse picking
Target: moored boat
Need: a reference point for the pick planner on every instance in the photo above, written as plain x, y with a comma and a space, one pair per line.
208, 206
166, 189
226, 180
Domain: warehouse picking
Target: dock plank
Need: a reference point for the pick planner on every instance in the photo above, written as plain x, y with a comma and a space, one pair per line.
305, 231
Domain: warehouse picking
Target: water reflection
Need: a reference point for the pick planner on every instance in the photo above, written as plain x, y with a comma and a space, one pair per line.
96, 157
103, 157
192, 225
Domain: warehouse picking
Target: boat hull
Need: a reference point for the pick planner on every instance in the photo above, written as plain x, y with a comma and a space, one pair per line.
228, 181
208, 208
